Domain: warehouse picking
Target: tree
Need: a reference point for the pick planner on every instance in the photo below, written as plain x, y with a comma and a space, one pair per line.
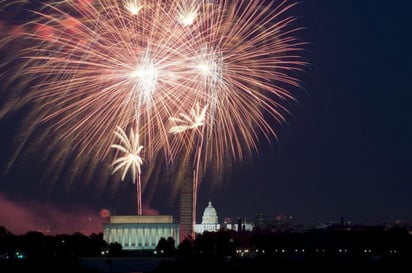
166, 247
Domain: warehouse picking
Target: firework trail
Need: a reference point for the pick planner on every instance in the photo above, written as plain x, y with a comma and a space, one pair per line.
131, 159
186, 123
88, 67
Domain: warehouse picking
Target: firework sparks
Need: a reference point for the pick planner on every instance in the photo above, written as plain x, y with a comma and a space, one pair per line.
192, 122
91, 67
189, 122
133, 6
131, 159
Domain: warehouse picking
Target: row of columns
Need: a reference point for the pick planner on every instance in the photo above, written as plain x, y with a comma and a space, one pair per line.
139, 236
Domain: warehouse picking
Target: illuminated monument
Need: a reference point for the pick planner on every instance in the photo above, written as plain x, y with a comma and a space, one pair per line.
209, 220
140, 232
185, 209
186, 205
143, 232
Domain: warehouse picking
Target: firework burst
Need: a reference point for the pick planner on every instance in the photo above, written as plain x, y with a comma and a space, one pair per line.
186, 123
89, 67
131, 159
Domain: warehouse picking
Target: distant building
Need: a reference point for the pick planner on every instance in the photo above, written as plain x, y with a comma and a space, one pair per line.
260, 221
140, 232
209, 220
241, 225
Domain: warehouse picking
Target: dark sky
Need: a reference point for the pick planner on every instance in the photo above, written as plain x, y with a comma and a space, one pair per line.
346, 152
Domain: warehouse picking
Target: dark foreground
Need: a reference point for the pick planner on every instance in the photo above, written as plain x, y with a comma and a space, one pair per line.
371, 249
262, 264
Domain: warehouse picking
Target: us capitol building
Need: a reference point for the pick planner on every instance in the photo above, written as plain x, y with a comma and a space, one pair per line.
209, 220
143, 232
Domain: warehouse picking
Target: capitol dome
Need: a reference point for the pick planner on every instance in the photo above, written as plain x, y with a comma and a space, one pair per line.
209, 215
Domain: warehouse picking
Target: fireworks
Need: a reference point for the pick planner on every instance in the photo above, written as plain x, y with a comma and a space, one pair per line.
92, 66
187, 122
192, 122
131, 159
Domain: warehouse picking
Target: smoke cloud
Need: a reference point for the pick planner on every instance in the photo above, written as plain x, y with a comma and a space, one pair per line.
22, 217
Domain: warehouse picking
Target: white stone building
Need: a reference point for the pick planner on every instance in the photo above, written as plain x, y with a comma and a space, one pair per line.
140, 232
209, 220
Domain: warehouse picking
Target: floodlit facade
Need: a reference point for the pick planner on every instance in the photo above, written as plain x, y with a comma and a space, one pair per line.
140, 232
209, 220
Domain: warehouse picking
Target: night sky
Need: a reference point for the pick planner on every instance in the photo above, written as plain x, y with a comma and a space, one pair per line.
346, 152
